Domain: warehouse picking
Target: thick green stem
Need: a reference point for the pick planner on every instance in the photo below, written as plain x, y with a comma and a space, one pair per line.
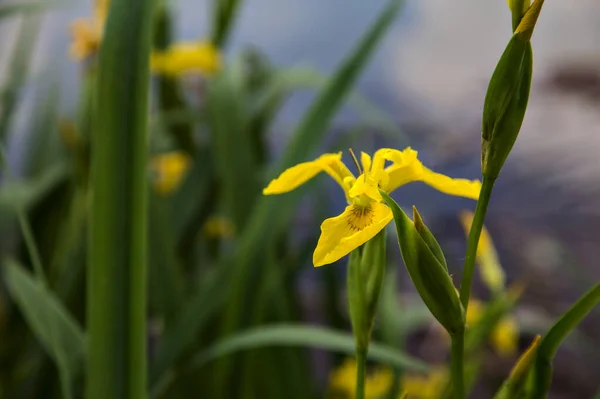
361, 371
473, 242
457, 367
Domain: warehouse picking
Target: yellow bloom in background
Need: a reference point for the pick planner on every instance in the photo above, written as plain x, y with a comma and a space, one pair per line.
219, 227
491, 271
505, 335
87, 33
183, 58
377, 384
170, 168
425, 386
380, 380
366, 214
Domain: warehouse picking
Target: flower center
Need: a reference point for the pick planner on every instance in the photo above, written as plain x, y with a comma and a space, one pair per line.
361, 216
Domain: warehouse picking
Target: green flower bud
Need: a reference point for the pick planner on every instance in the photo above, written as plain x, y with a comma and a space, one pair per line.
507, 96
366, 269
427, 268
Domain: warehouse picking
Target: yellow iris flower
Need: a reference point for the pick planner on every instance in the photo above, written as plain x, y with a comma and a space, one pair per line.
87, 32
366, 214
186, 57
379, 381
169, 169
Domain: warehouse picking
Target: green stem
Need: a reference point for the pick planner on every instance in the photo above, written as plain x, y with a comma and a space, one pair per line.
457, 369
361, 371
473, 242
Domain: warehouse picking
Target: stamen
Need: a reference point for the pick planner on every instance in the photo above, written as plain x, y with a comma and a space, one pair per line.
355, 161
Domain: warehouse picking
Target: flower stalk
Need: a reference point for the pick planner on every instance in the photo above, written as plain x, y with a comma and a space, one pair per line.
473, 242
457, 373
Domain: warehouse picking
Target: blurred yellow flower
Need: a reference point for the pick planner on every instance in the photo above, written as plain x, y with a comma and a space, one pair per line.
425, 386
366, 214
182, 58
219, 227
87, 33
377, 384
491, 271
505, 335
380, 380
169, 169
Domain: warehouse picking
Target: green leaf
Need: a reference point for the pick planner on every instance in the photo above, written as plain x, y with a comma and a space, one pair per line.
266, 219
228, 118
116, 279
288, 80
50, 322
177, 338
542, 371
300, 335
17, 72
14, 8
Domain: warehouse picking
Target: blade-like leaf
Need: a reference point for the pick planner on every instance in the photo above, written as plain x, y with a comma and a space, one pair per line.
542, 371
266, 217
13, 8
117, 256
50, 322
301, 335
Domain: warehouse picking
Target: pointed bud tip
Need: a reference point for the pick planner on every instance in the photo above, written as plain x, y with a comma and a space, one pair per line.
527, 24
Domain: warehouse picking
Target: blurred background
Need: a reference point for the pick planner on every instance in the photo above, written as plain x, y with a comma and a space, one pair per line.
424, 86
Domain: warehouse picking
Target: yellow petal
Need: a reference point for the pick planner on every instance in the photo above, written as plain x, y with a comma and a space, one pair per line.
365, 185
492, 274
346, 232
297, 175
182, 58
505, 336
447, 185
407, 168
365, 160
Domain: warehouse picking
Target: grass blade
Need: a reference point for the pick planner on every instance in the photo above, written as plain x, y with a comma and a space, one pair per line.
117, 254
50, 322
542, 371
262, 226
300, 335
17, 72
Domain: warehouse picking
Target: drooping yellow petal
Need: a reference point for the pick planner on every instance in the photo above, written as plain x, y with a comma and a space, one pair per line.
505, 336
447, 185
297, 175
343, 233
492, 274
219, 227
407, 168
183, 58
